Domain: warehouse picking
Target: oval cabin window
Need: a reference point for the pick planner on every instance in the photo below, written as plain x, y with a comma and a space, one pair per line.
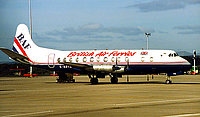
142, 59
127, 59
113, 59
92, 59
105, 59
58, 60
70, 59
84, 59
118, 59
77, 59
64, 60
98, 59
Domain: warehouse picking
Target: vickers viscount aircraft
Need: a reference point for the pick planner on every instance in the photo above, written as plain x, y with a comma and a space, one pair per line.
95, 63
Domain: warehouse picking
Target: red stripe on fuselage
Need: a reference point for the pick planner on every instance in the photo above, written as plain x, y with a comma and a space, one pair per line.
21, 48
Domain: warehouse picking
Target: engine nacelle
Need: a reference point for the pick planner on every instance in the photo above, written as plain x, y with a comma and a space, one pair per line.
109, 68
104, 68
121, 70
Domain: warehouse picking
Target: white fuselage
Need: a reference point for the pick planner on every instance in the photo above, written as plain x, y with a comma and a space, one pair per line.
110, 57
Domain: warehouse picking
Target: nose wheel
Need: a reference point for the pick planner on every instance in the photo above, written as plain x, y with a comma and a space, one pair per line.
168, 81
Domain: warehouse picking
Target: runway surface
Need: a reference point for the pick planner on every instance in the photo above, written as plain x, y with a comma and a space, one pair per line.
42, 96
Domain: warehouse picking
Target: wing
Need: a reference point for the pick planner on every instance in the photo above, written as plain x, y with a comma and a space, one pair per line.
78, 65
104, 68
15, 56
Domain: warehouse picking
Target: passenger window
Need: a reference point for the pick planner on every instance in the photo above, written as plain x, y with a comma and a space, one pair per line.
113, 59
105, 59
64, 60
77, 59
58, 60
70, 59
98, 59
127, 59
142, 59
92, 59
84, 59
118, 59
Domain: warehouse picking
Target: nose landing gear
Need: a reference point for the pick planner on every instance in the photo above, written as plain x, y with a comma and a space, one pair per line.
168, 81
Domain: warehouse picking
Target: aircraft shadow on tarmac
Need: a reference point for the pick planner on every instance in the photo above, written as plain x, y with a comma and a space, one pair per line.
143, 82
149, 82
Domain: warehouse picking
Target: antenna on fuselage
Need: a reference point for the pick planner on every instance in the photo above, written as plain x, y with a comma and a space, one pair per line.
147, 36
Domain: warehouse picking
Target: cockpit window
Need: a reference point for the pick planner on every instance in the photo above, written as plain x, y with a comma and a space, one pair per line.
173, 55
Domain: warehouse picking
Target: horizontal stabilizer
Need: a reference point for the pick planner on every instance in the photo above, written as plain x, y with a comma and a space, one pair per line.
15, 56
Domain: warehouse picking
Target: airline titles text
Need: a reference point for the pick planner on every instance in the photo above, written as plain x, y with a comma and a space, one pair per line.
102, 53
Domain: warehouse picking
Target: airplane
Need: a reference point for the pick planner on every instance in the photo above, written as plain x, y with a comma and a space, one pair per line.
95, 63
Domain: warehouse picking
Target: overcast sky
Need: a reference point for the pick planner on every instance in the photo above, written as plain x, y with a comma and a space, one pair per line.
101, 24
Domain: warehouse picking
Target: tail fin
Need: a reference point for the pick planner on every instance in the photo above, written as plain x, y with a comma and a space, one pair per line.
23, 43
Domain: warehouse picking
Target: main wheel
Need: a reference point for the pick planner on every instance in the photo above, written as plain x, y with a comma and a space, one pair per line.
94, 80
114, 80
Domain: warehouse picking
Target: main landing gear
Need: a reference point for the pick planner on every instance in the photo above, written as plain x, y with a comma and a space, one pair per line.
94, 80
113, 79
65, 77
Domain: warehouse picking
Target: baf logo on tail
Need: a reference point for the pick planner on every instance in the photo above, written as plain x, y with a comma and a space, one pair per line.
23, 41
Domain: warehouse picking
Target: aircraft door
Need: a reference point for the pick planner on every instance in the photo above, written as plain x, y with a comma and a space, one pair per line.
51, 58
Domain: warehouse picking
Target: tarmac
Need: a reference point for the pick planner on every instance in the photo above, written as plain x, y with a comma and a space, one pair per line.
41, 97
